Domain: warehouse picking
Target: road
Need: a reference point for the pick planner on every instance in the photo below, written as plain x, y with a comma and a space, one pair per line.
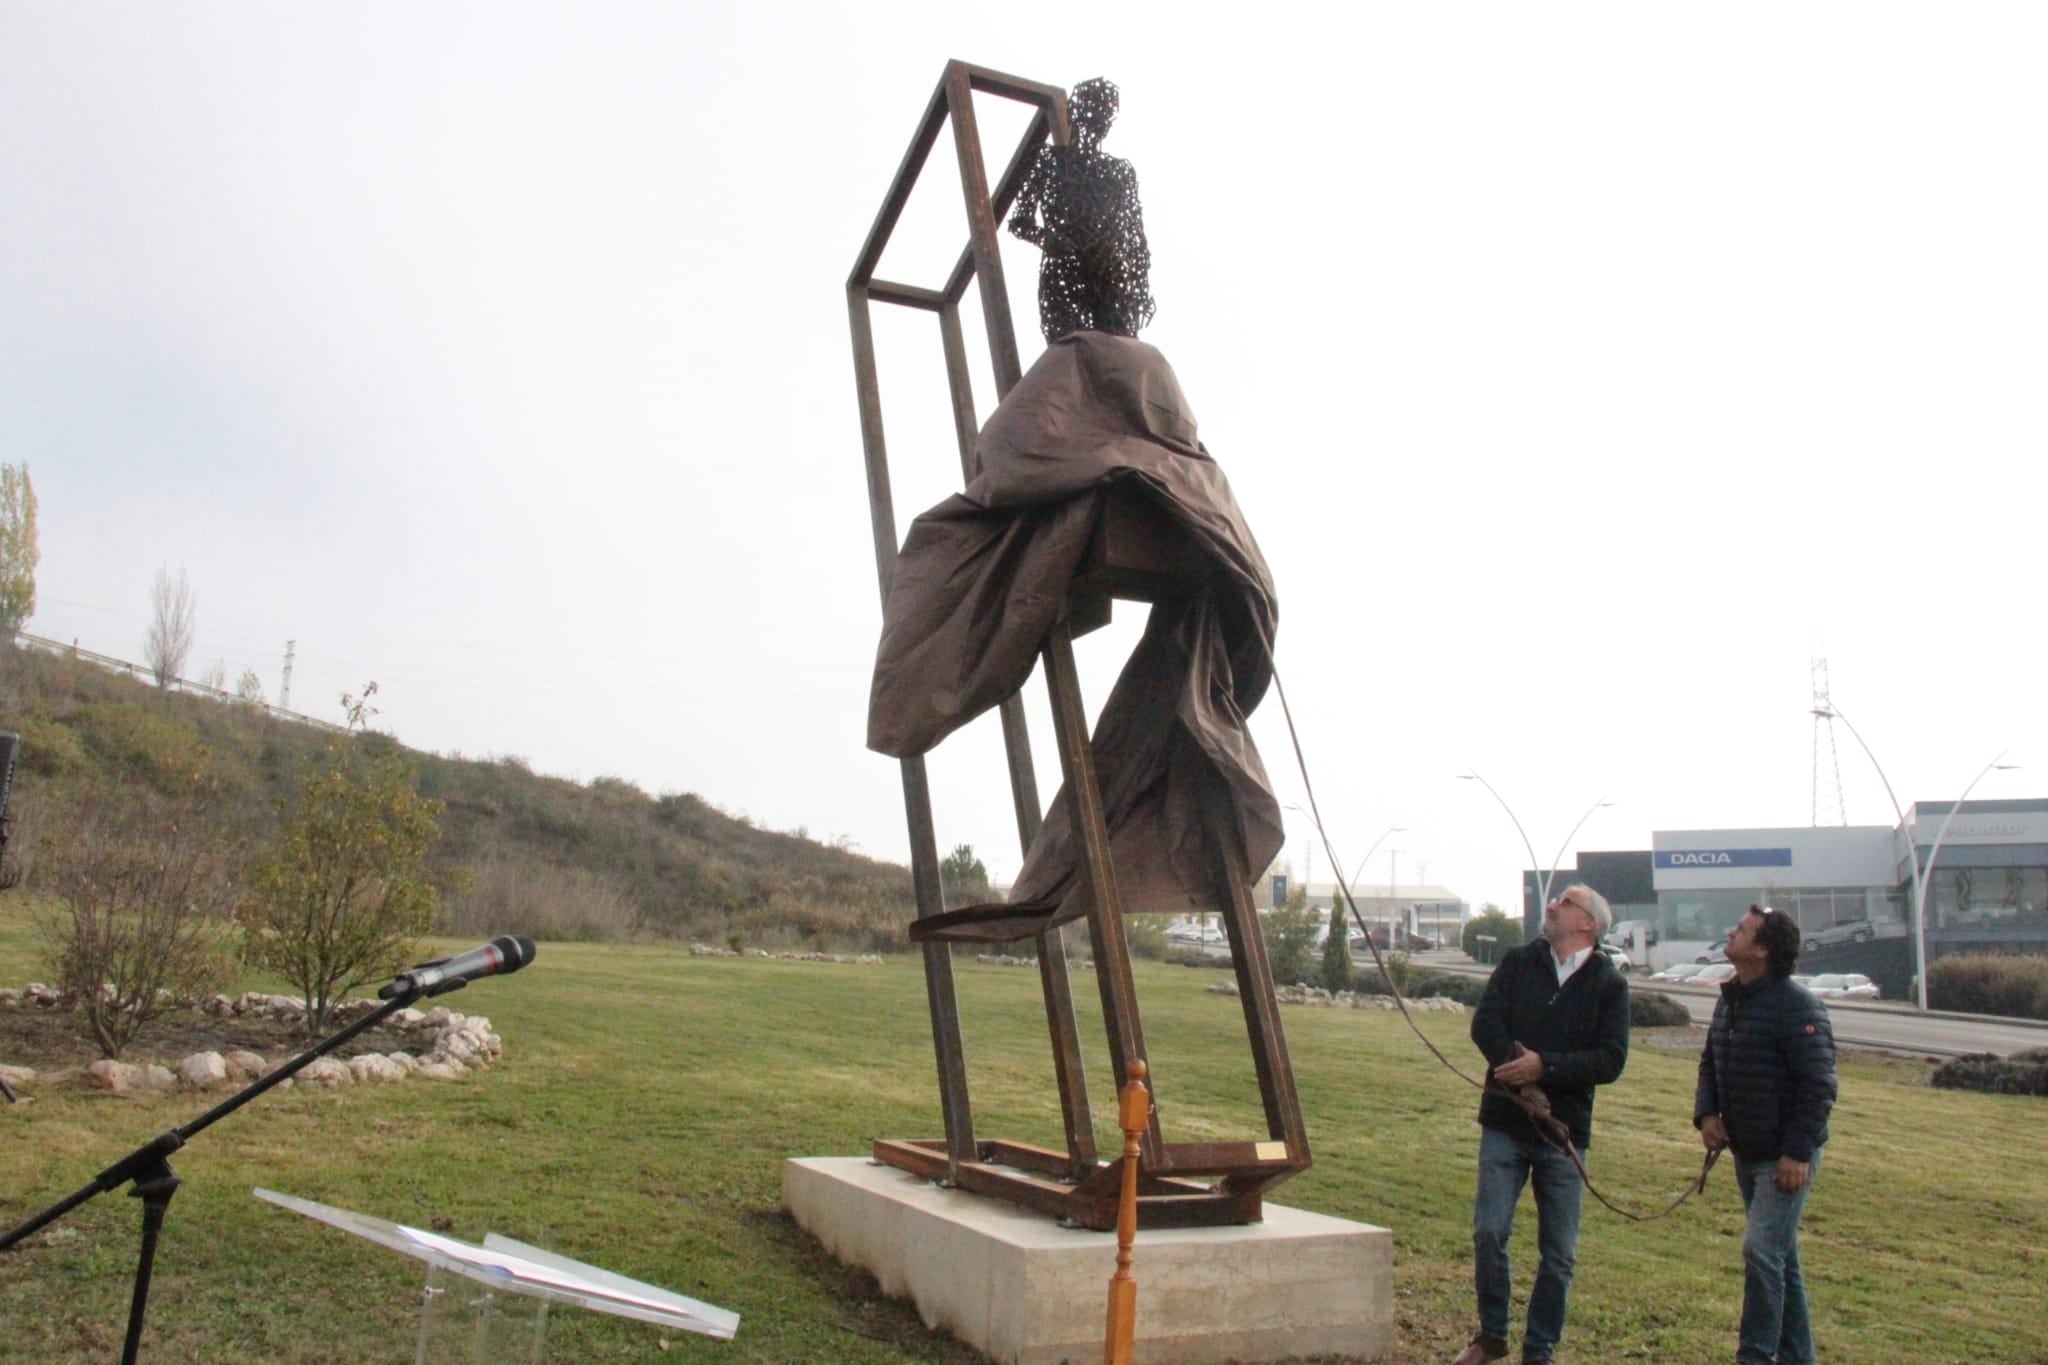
1858, 1023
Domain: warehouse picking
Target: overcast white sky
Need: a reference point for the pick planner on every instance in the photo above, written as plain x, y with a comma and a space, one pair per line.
1584, 371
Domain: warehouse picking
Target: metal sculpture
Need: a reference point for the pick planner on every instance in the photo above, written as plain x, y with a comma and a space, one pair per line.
1133, 552
1079, 206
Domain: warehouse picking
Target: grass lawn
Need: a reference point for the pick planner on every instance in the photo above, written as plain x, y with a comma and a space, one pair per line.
646, 1100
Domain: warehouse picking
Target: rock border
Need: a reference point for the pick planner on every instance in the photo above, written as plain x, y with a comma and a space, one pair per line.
844, 959
1348, 1000
445, 1045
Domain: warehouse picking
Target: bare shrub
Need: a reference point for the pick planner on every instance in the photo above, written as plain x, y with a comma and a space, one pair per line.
508, 895
138, 915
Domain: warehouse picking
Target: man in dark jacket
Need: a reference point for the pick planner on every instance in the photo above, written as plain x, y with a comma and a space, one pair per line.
1767, 1082
1553, 1024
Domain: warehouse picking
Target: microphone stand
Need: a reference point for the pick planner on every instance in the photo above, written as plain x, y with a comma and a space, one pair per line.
149, 1167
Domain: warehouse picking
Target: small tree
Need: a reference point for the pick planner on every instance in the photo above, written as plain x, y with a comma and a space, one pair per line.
962, 878
1337, 949
18, 552
249, 687
139, 910
172, 620
1491, 923
344, 898
1291, 938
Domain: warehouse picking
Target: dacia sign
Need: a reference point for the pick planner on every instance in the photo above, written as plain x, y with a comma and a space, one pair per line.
1667, 858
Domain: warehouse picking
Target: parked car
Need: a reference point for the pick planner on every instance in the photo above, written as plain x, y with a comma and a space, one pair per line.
1618, 935
1403, 941
1618, 958
1680, 971
1715, 974
1841, 931
1844, 986
1717, 951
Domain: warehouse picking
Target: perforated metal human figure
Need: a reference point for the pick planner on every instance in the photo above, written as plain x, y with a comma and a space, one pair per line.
1080, 208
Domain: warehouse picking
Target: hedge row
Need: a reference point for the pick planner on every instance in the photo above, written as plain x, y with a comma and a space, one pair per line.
2023, 1073
1653, 1009
1990, 983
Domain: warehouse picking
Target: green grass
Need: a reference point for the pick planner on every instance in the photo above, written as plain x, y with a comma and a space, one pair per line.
647, 1099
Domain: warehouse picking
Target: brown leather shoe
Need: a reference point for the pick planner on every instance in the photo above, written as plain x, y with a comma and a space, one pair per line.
1481, 1349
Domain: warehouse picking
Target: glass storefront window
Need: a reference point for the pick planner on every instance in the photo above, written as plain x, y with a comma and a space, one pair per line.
1707, 915
1988, 897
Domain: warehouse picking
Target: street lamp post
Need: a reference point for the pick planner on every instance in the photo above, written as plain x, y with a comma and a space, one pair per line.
1359, 871
1830, 712
1920, 885
1920, 877
1544, 890
1308, 847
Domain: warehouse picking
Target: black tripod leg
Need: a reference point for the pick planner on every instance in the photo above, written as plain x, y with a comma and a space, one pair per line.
154, 1189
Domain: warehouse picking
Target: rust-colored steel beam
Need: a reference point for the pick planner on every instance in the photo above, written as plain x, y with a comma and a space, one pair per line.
1053, 980
1105, 910
898, 196
981, 235
1261, 1003
907, 295
949, 1054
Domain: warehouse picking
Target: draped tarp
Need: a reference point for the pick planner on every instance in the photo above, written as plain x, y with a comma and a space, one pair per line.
985, 575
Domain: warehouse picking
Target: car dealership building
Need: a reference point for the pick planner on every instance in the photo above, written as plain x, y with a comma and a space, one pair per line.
1988, 889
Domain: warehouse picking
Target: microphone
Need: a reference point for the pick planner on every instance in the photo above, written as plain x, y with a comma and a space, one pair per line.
444, 974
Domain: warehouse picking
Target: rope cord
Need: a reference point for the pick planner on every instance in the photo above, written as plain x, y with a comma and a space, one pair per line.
1530, 1099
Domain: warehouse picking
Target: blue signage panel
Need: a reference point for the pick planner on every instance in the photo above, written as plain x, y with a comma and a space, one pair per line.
1723, 857
1279, 890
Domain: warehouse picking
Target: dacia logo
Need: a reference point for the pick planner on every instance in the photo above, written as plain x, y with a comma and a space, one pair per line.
1703, 860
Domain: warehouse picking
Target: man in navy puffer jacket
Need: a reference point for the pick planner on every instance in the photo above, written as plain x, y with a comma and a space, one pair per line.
1767, 1082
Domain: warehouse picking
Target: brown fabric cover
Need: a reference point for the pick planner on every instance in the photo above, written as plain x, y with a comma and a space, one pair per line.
986, 574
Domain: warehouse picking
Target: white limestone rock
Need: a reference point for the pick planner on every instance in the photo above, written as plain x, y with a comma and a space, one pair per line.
203, 1071
129, 1078
325, 1071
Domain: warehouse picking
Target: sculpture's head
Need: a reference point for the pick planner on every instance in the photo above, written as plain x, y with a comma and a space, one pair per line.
1092, 106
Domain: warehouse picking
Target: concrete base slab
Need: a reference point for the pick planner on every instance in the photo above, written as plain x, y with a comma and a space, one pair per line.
1025, 1291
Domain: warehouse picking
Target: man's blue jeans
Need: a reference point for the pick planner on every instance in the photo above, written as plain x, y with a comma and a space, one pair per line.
1775, 1324
1505, 1164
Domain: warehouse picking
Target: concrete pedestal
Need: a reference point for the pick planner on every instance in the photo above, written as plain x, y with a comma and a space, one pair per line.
1026, 1291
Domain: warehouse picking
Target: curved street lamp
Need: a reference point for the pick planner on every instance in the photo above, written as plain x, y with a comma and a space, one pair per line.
1920, 877
1831, 712
1358, 871
1473, 776
1920, 885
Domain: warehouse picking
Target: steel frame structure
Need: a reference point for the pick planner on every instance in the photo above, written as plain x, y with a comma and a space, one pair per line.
1133, 559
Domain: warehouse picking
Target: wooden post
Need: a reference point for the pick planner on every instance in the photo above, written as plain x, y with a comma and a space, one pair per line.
1134, 1116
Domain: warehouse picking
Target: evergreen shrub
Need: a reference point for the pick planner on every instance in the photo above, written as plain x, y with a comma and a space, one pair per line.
1990, 983
1654, 1009
2023, 1073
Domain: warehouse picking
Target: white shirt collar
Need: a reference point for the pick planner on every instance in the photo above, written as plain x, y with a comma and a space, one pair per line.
1567, 965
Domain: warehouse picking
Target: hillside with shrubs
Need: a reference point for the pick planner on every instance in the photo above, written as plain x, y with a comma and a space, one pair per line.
518, 852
